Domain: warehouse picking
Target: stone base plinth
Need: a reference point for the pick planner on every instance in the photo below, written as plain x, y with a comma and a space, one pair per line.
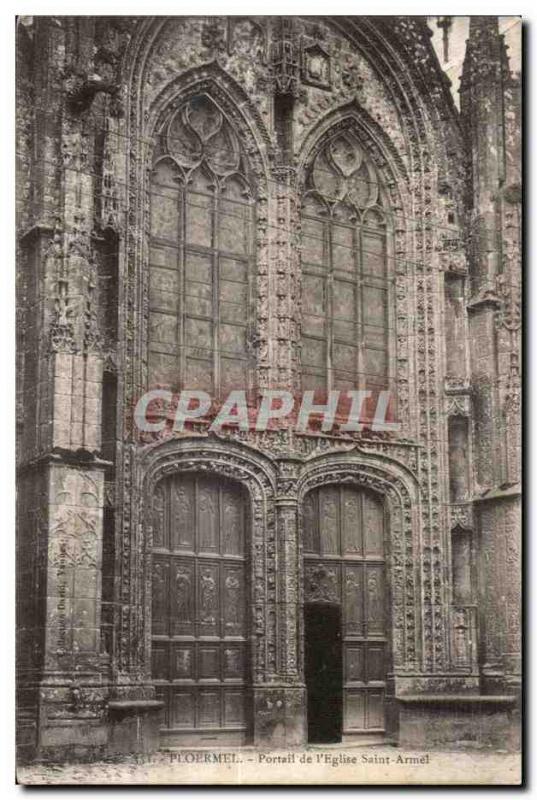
280, 716
71, 723
459, 721
72, 740
134, 726
26, 736
450, 684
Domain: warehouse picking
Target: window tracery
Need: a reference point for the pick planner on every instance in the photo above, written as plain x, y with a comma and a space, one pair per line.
201, 254
345, 271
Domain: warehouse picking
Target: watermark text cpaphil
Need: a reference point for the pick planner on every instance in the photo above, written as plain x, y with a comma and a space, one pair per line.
351, 410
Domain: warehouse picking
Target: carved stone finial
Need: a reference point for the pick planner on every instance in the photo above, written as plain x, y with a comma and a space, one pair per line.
285, 59
445, 24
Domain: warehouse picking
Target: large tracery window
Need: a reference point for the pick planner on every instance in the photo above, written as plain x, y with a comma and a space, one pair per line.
201, 254
345, 276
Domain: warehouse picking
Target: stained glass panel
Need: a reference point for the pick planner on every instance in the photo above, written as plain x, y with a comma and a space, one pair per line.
201, 208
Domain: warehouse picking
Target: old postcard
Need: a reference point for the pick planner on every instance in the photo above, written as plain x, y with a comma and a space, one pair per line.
269, 399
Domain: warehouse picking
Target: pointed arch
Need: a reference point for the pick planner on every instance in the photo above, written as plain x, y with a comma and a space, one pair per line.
347, 259
353, 119
396, 487
213, 82
201, 255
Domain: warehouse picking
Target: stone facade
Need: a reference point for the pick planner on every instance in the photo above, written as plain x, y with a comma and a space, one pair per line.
113, 115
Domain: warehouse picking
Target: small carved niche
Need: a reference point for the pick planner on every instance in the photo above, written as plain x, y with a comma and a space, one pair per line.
455, 321
283, 124
108, 416
106, 248
461, 560
458, 459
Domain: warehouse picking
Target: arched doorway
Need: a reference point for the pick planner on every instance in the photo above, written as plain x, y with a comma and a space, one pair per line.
200, 662
345, 614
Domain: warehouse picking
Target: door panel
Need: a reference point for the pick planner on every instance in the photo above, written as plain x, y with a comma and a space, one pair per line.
374, 582
199, 652
353, 600
351, 528
344, 564
181, 598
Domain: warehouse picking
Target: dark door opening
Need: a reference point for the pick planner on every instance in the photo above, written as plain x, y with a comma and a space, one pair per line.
324, 674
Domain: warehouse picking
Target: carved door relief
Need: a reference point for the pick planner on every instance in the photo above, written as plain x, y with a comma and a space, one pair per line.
344, 565
199, 618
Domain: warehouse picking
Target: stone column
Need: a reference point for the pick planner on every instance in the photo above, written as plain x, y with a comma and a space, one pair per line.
490, 106
481, 104
285, 282
280, 707
500, 595
72, 691
73, 688
62, 430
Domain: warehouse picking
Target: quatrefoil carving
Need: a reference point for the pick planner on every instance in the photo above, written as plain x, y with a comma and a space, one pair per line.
199, 132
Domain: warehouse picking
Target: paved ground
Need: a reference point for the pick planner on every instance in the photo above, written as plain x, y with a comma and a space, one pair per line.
315, 765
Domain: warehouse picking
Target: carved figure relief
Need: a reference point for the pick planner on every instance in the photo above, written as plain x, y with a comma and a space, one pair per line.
183, 664
183, 588
233, 600
321, 584
208, 600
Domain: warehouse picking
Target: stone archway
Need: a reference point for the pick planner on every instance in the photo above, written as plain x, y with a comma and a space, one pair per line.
346, 536
388, 481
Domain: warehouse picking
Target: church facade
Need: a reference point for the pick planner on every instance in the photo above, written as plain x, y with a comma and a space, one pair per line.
255, 204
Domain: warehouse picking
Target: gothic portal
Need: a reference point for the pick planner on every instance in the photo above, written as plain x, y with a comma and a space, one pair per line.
241, 205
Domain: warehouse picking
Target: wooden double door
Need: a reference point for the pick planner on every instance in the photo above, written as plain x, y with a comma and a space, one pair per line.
345, 613
200, 660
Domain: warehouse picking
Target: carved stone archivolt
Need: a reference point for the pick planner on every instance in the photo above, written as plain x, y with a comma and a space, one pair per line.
399, 492
276, 498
